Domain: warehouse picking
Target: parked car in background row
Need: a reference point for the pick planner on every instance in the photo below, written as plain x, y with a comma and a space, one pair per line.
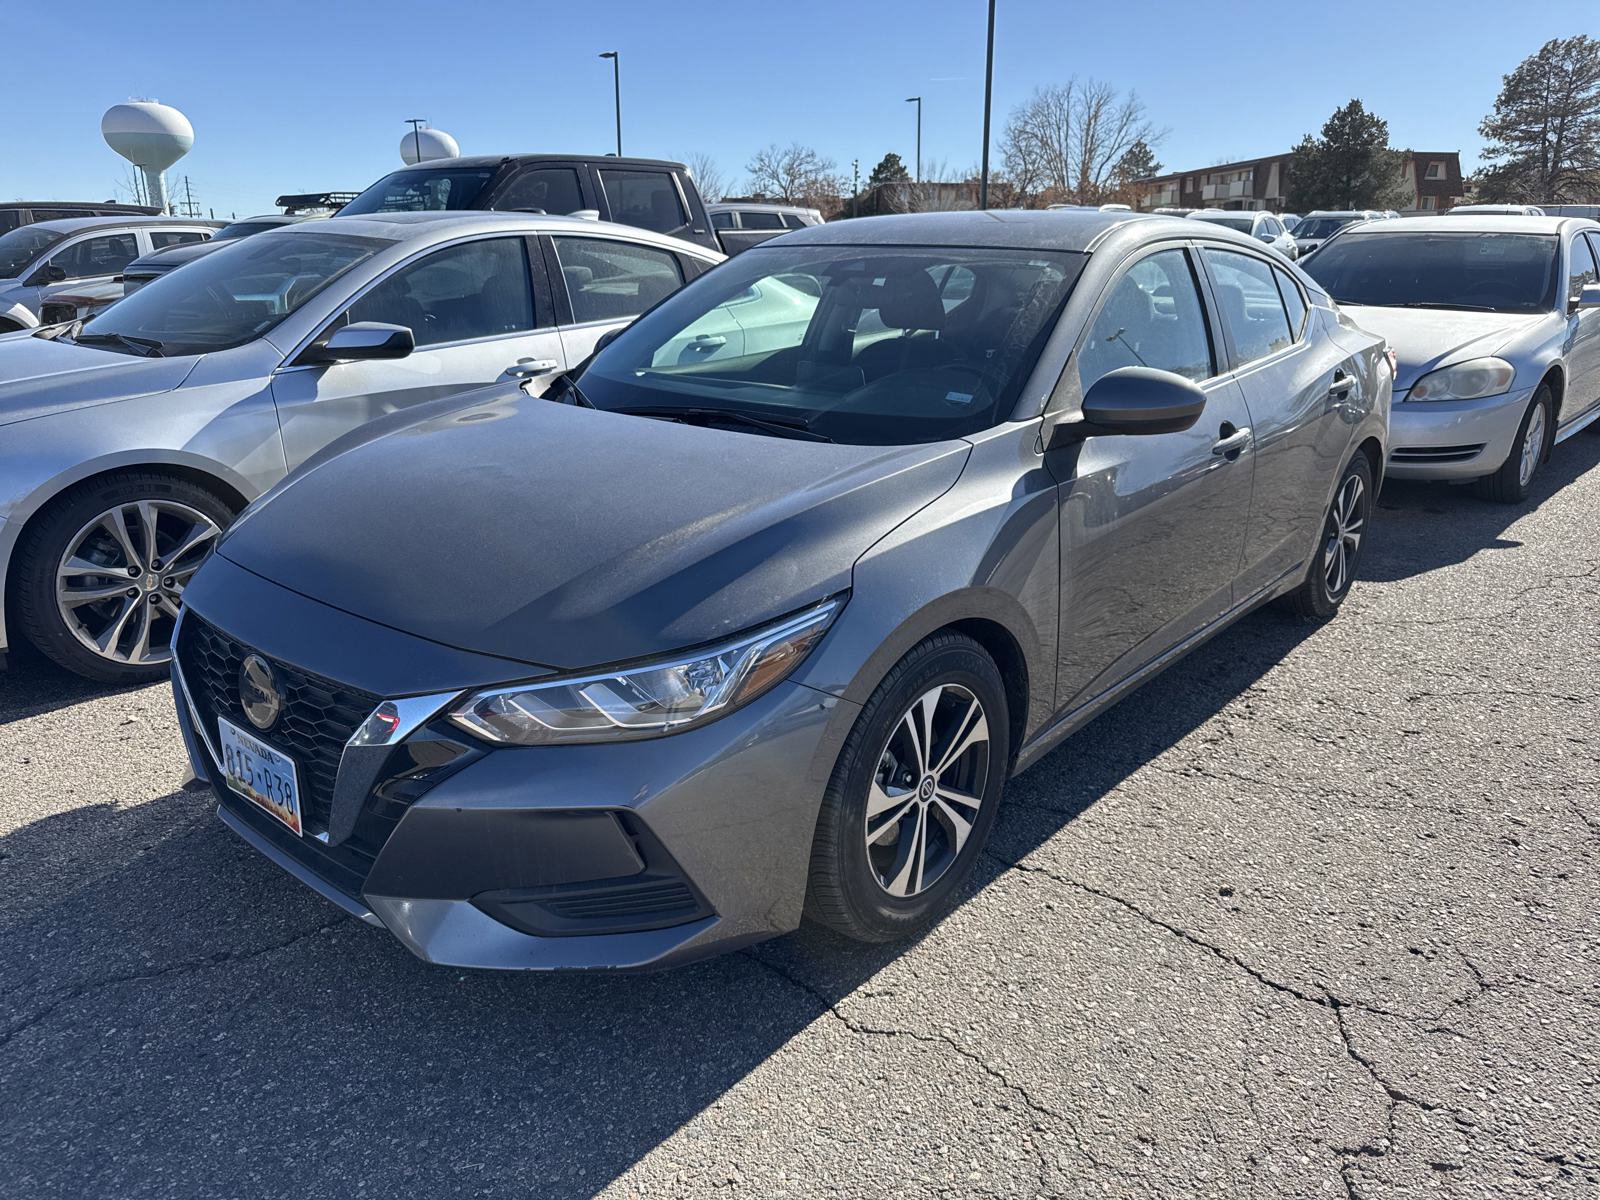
644, 676
48, 257
1317, 227
1290, 220
1262, 226
740, 226
133, 439
1495, 321
1172, 212
1495, 210
26, 212
1589, 211
79, 303
157, 263
647, 193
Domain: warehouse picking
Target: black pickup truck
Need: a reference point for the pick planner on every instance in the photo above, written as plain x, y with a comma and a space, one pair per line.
647, 192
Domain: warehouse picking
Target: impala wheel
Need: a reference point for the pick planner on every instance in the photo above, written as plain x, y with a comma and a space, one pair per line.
102, 573
914, 793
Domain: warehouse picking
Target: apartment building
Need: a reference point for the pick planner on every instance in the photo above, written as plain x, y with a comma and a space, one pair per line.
1434, 178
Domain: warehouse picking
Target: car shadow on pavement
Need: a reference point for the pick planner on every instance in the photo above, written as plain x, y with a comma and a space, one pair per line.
1424, 526
179, 1017
31, 685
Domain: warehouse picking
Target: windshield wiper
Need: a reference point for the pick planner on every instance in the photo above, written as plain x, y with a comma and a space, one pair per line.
1418, 304
148, 347
794, 427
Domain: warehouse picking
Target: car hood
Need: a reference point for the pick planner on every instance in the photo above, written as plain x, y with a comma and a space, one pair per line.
1425, 338
566, 538
40, 376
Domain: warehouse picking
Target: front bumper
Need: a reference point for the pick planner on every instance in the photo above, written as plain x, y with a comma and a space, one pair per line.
1454, 439
625, 856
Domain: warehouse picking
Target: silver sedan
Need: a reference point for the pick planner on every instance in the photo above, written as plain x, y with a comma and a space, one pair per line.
131, 439
1495, 322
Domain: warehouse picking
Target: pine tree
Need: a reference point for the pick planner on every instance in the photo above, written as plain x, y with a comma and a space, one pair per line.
1544, 132
1349, 166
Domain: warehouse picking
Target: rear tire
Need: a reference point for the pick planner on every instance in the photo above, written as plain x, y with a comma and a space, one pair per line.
1529, 451
1332, 571
62, 629
901, 826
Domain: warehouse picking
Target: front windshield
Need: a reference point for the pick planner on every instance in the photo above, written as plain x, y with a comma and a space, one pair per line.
1497, 272
232, 296
873, 345
21, 246
1322, 227
1244, 223
421, 191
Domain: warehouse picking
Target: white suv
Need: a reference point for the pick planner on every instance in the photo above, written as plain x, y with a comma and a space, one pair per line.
1261, 225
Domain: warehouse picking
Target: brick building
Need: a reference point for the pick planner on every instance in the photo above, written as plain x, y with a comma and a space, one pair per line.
1434, 177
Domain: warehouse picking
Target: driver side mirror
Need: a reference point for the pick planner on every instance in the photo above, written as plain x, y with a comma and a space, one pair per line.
1588, 297
359, 342
49, 273
1266, 235
1135, 400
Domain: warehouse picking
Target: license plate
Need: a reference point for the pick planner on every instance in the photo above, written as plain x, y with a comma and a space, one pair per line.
262, 775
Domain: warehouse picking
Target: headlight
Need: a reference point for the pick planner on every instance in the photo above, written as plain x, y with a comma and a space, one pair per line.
1470, 380
651, 699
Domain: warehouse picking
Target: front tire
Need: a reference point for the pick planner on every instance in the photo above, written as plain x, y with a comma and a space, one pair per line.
1344, 527
1514, 480
100, 573
913, 797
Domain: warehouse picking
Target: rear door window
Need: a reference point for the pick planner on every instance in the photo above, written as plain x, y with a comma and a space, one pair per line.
647, 199
1294, 303
1252, 307
722, 220
553, 190
609, 280
761, 220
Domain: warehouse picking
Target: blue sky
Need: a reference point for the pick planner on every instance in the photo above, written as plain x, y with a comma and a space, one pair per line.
298, 96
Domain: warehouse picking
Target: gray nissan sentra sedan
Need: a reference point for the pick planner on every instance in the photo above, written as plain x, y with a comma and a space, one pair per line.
727, 631
1495, 321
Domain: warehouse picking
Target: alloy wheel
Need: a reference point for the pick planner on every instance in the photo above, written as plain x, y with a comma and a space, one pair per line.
927, 790
1532, 445
1346, 521
121, 580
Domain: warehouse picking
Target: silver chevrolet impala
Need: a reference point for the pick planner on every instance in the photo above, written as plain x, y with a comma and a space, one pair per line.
133, 438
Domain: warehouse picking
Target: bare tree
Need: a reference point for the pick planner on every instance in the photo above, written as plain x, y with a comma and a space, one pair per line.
1069, 139
795, 174
941, 189
131, 185
708, 176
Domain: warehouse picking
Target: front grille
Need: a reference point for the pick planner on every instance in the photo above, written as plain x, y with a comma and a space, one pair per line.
317, 718
1435, 454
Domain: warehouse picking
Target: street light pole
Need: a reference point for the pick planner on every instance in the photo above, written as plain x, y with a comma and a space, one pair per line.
988, 97
917, 100
616, 87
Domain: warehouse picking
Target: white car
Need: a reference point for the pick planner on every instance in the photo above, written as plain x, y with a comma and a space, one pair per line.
1263, 226
1317, 227
47, 258
132, 439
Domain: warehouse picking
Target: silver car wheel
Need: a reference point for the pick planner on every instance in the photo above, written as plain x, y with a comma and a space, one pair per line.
1532, 445
1346, 521
926, 792
121, 580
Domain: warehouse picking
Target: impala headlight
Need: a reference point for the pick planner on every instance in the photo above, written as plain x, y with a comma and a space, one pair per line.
1470, 380
650, 699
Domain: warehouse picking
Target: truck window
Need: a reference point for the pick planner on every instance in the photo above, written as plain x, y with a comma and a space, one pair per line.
553, 190
647, 199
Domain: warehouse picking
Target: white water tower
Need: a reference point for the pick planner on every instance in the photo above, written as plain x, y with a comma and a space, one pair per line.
152, 137
422, 144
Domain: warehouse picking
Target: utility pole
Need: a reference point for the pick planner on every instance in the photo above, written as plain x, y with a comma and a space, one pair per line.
416, 124
917, 100
616, 87
988, 98
855, 187
190, 208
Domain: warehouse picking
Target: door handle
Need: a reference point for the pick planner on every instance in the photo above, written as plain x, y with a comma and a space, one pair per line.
532, 368
1231, 445
1342, 382
709, 341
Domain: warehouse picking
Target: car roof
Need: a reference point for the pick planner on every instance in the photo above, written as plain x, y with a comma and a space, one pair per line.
1487, 223
494, 160
440, 226
1026, 229
757, 206
79, 224
1214, 214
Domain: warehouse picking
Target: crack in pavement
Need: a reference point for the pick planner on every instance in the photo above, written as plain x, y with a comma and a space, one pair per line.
75, 991
1079, 1143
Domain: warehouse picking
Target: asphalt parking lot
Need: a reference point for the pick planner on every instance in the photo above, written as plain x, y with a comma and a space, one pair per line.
1314, 914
